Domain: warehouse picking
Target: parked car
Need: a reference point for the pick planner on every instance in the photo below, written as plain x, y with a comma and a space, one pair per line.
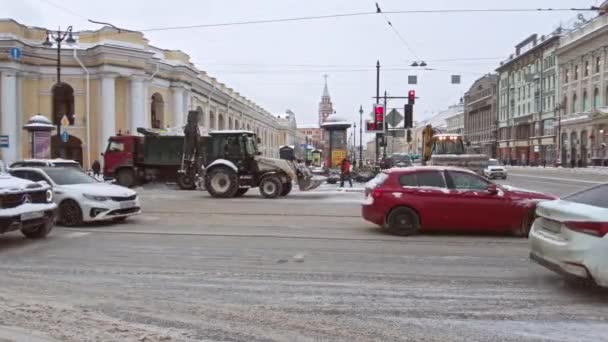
58, 162
25, 206
82, 198
570, 236
436, 198
333, 177
495, 170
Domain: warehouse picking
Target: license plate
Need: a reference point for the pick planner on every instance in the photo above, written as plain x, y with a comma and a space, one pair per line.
32, 215
127, 204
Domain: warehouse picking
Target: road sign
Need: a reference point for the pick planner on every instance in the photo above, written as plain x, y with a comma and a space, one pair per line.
65, 136
15, 53
394, 118
4, 141
412, 79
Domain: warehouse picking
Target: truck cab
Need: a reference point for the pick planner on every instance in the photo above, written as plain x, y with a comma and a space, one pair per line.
121, 152
237, 147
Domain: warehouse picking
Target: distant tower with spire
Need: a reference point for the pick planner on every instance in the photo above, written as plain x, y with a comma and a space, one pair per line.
326, 108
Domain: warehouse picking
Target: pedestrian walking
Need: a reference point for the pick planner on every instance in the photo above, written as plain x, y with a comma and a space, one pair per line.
345, 173
96, 168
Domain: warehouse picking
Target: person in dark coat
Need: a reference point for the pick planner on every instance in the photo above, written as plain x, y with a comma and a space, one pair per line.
96, 168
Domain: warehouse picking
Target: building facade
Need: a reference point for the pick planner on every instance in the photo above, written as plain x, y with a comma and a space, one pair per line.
583, 71
527, 94
313, 133
288, 130
481, 116
455, 124
112, 82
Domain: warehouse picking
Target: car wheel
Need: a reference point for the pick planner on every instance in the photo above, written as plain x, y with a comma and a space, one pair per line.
271, 187
39, 231
286, 188
222, 182
126, 178
526, 224
403, 221
69, 213
241, 191
186, 182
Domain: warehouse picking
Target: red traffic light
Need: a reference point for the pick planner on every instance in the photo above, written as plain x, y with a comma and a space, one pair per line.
379, 113
411, 97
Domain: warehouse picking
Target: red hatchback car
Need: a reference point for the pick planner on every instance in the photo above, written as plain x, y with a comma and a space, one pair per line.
430, 198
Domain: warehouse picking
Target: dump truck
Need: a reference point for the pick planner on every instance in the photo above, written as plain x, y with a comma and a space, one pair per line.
443, 149
132, 160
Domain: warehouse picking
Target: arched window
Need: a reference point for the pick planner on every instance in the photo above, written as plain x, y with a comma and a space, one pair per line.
63, 103
157, 108
201, 116
586, 103
574, 104
212, 120
596, 97
230, 123
220, 122
236, 124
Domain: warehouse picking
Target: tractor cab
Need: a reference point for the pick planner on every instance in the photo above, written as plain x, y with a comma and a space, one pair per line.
239, 147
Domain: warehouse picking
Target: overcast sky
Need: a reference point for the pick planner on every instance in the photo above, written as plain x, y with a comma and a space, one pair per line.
281, 65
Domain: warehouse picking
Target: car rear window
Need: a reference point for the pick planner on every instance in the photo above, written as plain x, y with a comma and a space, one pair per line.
596, 196
425, 178
378, 180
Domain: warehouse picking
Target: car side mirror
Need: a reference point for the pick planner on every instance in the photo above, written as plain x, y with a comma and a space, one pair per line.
492, 189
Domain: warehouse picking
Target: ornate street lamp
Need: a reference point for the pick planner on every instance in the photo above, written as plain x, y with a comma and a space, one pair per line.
59, 37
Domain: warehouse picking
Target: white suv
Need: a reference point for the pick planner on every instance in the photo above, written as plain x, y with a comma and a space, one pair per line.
495, 170
25, 205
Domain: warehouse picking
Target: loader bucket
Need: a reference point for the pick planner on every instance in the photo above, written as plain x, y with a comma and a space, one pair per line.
311, 183
306, 180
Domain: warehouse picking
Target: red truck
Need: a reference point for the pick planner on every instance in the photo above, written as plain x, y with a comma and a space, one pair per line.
131, 160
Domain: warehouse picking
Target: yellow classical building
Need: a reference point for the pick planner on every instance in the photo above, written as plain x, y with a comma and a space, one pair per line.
110, 82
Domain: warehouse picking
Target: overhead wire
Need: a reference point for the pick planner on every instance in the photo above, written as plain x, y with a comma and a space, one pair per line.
355, 14
399, 35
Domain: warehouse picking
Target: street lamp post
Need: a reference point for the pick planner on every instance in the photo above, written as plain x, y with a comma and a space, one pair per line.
558, 113
355, 141
59, 36
361, 136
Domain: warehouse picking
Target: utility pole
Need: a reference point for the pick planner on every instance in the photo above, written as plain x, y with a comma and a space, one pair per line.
377, 102
354, 141
385, 128
361, 136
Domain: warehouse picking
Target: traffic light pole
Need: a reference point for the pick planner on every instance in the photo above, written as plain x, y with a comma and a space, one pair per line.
384, 128
377, 102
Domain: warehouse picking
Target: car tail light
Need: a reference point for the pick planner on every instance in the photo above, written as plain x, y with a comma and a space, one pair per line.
592, 228
377, 193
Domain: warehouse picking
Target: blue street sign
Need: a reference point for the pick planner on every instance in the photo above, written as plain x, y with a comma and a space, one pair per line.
65, 136
15, 53
4, 141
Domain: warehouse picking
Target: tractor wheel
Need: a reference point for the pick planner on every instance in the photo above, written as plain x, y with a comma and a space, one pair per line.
126, 178
271, 187
222, 182
286, 188
241, 192
186, 181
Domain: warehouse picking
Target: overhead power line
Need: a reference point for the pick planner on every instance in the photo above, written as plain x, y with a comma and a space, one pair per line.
63, 8
355, 14
405, 43
273, 65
